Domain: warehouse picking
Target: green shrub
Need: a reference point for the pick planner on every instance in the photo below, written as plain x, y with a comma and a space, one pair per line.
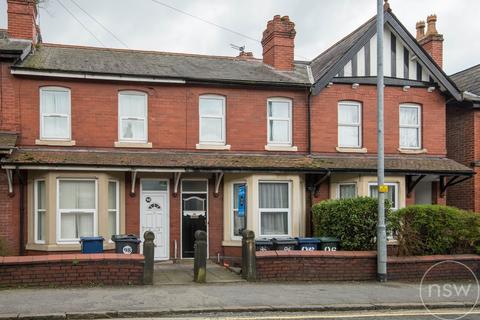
353, 221
436, 229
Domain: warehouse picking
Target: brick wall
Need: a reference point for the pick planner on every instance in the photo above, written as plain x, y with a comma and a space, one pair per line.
9, 216
71, 269
325, 109
461, 146
357, 265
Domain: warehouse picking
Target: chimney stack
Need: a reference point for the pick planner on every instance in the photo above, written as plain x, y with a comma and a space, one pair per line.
22, 20
431, 41
278, 43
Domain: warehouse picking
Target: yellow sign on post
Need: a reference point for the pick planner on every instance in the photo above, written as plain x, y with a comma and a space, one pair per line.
383, 188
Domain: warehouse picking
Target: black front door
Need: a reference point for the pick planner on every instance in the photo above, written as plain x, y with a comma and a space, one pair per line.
194, 217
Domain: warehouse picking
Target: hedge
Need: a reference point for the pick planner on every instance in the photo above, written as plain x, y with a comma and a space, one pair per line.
353, 221
436, 229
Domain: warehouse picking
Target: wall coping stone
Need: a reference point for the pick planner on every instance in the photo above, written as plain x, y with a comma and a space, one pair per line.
16, 260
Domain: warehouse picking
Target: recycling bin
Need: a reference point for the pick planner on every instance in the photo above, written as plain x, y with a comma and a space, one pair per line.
126, 243
263, 244
284, 244
92, 244
329, 244
307, 244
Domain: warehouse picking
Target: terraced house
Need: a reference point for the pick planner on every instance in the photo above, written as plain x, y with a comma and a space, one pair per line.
103, 141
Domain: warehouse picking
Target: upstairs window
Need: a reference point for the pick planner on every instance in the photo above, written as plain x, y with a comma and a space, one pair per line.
349, 125
410, 126
132, 116
55, 114
279, 122
212, 120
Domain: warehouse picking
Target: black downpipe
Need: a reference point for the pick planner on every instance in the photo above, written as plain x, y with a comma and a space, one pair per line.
21, 183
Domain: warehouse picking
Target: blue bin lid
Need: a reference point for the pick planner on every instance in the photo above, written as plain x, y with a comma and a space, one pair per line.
307, 240
91, 239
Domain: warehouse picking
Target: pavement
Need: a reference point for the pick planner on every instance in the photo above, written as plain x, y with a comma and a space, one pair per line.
182, 273
163, 300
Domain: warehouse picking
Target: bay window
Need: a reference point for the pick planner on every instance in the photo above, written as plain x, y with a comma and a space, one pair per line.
347, 190
349, 124
274, 208
391, 195
77, 209
55, 112
279, 114
212, 119
113, 208
410, 123
40, 211
132, 116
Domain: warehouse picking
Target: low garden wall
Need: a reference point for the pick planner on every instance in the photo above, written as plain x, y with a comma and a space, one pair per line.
71, 269
357, 265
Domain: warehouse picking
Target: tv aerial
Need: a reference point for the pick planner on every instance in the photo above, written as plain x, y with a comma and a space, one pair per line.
240, 49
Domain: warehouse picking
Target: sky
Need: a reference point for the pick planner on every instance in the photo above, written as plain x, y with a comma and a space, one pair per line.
147, 25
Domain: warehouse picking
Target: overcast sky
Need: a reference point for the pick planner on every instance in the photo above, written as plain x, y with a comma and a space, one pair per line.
143, 24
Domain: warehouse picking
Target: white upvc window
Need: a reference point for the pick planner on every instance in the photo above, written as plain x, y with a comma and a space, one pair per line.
349, 124
132, 116
55, 113
279, 115
76, 209
410, 126
274, 208
113, 208
391, 195
212, 119
347, 190
40, 211
238, 218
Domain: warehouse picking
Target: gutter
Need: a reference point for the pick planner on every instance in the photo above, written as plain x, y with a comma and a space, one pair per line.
468, 96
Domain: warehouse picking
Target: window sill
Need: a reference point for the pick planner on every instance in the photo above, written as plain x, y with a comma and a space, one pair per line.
64, 143
203, 146
280, 148
123, 144
412, 151
351, 150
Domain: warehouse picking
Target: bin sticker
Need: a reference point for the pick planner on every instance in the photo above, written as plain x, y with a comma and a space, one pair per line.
330, 249
127, 249
309, 248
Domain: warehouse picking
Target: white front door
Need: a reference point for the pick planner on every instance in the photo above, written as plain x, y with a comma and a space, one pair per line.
154, 217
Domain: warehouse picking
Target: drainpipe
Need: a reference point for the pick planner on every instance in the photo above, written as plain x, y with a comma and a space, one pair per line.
21, 186
309, 125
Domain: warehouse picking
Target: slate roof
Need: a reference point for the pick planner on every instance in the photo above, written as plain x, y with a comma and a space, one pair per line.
326, 60
13, 46
7, 141
62, 58
231, 162
468, 79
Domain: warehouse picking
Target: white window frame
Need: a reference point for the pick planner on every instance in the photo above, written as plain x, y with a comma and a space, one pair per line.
289, 210
353, 125
232, 210
347, 184
117, 210
36, 211
389, 184
223, 140
43, 115
418, 126
289, 119
120, 117
60, 211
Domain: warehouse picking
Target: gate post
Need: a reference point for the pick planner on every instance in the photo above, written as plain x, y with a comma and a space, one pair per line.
249, 266
200, 257
148, 253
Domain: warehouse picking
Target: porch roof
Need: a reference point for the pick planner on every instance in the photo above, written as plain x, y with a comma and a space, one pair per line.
7, 141
49, 158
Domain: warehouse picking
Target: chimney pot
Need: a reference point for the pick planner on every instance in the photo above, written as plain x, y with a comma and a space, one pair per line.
420, 29
278, 43
432, 25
